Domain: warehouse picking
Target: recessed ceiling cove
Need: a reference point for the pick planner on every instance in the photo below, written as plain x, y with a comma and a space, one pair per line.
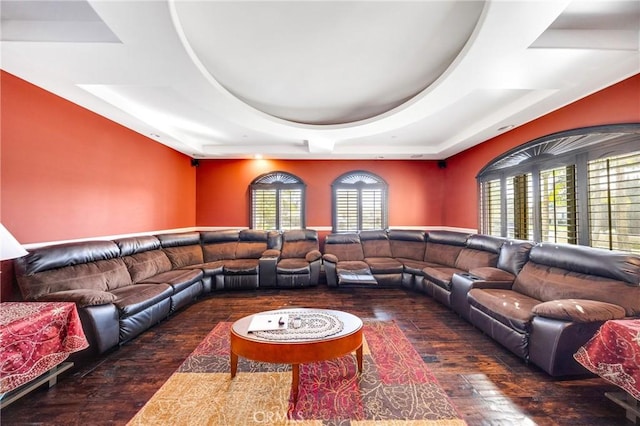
325, 63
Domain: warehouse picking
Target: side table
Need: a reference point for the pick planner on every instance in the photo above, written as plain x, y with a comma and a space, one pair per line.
35, 339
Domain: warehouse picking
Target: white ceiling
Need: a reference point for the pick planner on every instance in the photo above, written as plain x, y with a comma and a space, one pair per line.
321, 79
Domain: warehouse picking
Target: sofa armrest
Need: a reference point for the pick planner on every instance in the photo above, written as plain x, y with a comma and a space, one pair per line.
267, 268
81, 297
271, 253
330, 258
462, 283
579, 310
313, 255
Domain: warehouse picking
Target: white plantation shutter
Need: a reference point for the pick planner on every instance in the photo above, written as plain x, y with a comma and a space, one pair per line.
371, 205
614, 202
263, 209
519, 197
290, 209
277, 202
347, 210
490, 207
558, 205
359, 202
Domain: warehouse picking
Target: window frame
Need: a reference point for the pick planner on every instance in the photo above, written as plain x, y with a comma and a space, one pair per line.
356, 180
573, 148
277, 181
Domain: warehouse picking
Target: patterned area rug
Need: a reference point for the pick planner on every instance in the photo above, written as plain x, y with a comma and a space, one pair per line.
395, 388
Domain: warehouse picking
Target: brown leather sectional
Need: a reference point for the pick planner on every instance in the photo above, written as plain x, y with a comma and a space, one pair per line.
541, 301
123, 287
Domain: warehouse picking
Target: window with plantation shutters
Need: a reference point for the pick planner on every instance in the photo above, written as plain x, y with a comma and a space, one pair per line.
558, 212
614, 202
490, 207
359, 202
519, 209
581, 186
277, 202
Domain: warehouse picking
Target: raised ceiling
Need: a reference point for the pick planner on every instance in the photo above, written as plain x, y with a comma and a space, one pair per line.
321, 79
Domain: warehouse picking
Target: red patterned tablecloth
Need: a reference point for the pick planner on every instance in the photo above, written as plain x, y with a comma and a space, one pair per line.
35, 337
614, 354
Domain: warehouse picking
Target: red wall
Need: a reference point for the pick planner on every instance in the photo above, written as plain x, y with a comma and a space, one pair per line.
415, 189
619, 103
68, 173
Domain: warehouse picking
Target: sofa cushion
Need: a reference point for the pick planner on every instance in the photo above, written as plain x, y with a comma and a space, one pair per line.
147, 264
101, 275
615, 265
509, 307
139, 244
384, 265
469, 259
241, 267
179, 279
579, 310
442, 254
492, 274
69, 254
81, 297
407, 244
298, 248
182, 256
344, 246
375, 244
547, 283
250, 249
138, 297
415, 267
346, 252
352, 265
440, 276
209, 268
219, 251
293, 266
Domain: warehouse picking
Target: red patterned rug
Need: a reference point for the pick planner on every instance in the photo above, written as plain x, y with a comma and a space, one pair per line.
395, 388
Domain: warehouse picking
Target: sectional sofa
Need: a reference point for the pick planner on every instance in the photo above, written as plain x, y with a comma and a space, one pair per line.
540, 301
123, 287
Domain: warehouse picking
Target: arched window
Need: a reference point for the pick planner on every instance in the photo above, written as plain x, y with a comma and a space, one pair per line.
580, 186
277, 202
359, 202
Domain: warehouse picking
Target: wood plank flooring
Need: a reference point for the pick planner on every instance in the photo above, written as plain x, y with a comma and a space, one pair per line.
488, 384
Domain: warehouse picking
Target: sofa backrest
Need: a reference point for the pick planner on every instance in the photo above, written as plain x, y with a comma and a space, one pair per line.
346, 247
407, 244
480, 251
252, 243
563, 271
443, 247
296, 243
513, 255
219, 245
93, 265
143, 257
182, 249
375, 243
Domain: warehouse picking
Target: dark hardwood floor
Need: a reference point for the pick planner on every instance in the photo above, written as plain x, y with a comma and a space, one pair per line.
488, 384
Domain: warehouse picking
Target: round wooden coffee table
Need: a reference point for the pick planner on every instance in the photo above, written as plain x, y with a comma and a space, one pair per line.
299, 350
